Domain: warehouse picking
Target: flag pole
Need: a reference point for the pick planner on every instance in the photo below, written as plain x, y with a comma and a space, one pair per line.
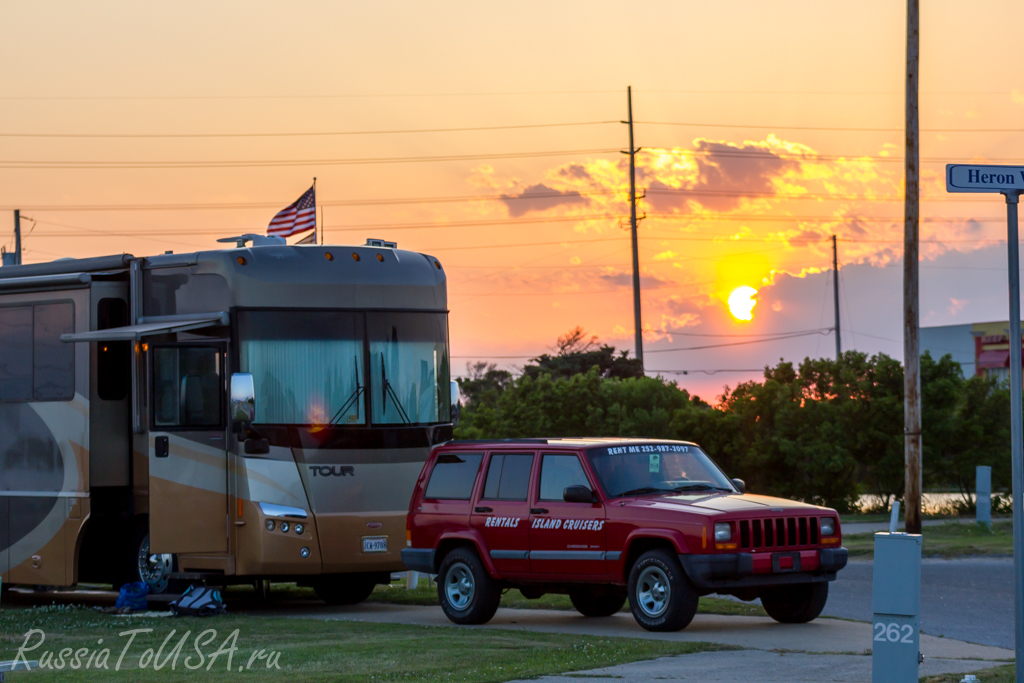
321, 209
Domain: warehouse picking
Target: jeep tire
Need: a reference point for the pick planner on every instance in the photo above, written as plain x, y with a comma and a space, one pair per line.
344, 589
795, 603
661, 598
598, 602
467, 593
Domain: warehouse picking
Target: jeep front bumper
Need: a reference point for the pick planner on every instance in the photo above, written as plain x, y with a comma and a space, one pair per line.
713, 573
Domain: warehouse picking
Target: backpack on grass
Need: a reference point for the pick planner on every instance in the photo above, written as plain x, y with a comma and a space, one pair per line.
133, 596
199, 601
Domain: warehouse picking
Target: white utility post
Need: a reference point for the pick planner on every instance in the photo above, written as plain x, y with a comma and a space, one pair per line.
1009, 182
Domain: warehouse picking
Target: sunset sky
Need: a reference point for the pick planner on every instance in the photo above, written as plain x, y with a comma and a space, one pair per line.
765, 128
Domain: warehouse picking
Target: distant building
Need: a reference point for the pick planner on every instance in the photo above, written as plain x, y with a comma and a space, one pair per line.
982, 349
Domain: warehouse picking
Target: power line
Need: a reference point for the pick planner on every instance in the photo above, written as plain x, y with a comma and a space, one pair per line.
299, 97
388, 201
286, 135
295, 162
766, 334
167, 164
706, 372
739, 343
830, 128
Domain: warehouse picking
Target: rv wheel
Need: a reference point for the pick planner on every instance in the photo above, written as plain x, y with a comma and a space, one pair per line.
154, 570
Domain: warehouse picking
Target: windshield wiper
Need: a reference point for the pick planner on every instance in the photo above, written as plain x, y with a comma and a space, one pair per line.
352, 399
390, 391
645, 489
699, 487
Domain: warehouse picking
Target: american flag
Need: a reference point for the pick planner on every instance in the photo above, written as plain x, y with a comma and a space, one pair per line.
299, 216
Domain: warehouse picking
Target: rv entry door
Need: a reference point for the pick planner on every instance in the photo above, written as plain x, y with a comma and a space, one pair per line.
188, 503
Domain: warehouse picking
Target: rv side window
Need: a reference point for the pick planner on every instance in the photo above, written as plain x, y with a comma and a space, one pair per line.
16, 353
53, 361
453, 476
113, 358
34, 364
186, 386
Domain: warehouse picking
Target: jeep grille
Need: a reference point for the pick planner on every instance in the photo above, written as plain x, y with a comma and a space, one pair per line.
778, 532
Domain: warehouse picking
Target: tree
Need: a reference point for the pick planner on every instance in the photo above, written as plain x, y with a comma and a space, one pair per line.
576, 354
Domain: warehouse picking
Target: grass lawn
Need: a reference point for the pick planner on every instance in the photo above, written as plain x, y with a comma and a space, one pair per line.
1000, 674
307, 649
947, 540
426, 594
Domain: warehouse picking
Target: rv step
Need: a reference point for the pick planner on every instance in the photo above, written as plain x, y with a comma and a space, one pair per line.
204, 577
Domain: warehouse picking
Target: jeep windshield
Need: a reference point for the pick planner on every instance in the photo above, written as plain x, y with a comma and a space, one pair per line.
642, 469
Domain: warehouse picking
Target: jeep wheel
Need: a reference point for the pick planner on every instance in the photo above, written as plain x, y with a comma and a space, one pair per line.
344, 589
796, 603
467, 593
661, 598
597, 602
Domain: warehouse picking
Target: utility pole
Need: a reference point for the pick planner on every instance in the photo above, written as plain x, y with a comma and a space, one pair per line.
911, 307
17, 237
835, 295
639, 342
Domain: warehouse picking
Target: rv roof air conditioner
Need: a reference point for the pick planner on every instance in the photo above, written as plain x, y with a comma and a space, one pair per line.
257, 240
382, 244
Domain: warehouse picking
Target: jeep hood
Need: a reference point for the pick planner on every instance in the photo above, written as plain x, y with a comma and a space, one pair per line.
731, 502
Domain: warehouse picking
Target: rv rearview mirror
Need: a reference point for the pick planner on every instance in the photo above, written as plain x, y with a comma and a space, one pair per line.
243, 398
456, 395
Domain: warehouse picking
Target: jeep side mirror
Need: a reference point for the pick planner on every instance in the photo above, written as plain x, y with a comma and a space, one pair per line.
740, 485
243, 398
578, 494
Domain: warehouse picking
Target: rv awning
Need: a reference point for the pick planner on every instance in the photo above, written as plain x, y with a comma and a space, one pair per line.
150, 326
994, 358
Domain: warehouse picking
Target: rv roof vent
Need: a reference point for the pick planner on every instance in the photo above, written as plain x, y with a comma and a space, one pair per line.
257, 240
383, 244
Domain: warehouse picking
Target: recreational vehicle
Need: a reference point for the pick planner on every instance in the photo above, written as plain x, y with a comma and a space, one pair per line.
241, 415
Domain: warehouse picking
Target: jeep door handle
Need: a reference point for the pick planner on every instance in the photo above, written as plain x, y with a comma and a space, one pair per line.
483, 509
538, 511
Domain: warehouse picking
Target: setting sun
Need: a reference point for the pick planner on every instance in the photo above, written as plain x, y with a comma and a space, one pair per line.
741, 302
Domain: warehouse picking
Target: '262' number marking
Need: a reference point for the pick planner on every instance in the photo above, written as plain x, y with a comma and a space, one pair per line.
891, 633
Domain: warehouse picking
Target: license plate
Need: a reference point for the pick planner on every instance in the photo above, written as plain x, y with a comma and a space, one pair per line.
375, 544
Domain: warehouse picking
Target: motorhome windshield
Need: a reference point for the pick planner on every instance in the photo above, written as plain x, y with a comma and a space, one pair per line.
309, 366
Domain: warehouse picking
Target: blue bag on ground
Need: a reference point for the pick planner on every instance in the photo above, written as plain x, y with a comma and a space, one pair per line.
133, 596
199, 601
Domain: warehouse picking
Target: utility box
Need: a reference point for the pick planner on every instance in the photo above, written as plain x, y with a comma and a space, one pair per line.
896, 602
983, 495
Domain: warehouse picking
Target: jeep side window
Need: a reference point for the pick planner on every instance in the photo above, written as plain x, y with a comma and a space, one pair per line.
559, 471
508, 476
453, 476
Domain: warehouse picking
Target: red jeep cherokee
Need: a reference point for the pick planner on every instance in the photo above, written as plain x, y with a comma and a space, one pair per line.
609, 519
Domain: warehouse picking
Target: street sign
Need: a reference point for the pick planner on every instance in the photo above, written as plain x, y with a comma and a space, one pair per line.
981, 178
1008, 181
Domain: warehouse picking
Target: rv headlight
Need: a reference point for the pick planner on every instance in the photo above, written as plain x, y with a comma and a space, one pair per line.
828, 526
270, 525
723, 532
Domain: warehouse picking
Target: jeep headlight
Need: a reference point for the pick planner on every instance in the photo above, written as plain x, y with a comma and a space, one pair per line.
828, 526
723, 532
